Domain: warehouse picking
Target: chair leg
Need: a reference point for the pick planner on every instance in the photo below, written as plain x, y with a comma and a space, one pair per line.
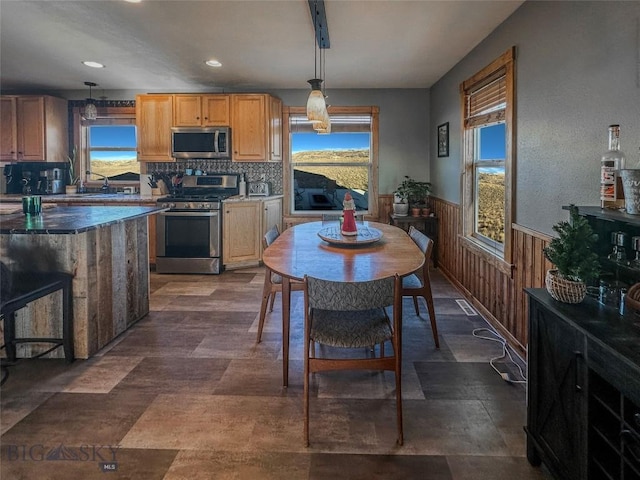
67, 322
399, 406
273, 299
10, 336
306, 392
428, 297
266, 293
415, 305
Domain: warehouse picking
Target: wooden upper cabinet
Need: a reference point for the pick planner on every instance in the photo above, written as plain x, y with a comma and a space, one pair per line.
275, 130
249, 127
8, 126
216, 110
35, 128
200, 110
154, 119
256, 122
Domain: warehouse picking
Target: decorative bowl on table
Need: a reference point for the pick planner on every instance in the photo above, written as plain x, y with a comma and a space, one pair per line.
365, 236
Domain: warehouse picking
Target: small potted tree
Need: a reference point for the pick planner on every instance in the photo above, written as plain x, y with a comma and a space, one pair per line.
575, 260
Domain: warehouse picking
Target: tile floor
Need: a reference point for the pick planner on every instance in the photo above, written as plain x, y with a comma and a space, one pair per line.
188, 394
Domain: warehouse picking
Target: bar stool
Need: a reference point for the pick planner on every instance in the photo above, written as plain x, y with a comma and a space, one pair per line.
26, 287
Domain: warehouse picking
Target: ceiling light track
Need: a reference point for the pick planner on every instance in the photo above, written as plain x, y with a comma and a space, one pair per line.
319, 17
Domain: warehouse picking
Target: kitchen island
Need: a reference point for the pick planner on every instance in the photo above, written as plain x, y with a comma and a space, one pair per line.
106, 251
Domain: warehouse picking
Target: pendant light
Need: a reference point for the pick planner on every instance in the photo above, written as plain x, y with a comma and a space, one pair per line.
323, 127
90, 110
316, 106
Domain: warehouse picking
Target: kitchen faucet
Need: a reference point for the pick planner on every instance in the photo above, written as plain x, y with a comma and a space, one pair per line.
105, 185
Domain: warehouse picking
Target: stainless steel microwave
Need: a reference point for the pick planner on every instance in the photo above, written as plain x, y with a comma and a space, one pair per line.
201, 142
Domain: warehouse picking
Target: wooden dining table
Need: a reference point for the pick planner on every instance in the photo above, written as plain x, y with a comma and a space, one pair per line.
300, 251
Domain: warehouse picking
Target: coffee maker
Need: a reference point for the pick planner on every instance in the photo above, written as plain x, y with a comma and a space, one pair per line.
54, 181
13, 174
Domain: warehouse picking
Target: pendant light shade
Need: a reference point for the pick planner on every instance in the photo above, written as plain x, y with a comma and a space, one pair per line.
316, 106
90, 110
323, 127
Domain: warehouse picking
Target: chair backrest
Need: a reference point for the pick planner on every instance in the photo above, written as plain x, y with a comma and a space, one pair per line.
329, 218
424, 243
349, 296
270, 236
333, 218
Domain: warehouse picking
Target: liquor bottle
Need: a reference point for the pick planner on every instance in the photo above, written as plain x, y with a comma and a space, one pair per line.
612, 161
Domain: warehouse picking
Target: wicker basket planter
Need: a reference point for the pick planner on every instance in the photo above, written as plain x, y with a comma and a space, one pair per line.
632, 300
564, 290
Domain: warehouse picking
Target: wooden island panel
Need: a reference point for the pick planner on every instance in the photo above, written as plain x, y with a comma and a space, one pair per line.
110, 284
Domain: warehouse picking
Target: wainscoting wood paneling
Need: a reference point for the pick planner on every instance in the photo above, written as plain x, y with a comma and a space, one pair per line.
498, 296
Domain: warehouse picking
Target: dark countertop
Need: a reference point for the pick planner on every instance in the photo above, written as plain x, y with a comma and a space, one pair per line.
618, 332
72, 220
84, 198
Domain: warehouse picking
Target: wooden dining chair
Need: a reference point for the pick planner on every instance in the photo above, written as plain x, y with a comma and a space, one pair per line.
419, 285
272, 282
354, 316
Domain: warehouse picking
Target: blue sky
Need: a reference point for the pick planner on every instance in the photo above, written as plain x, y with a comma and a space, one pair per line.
492, 142
111, 136
335, 141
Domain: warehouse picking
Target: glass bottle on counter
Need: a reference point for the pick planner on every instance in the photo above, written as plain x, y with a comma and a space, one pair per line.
611, 162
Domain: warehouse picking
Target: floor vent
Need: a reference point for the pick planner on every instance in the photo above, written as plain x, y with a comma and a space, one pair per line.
466, 308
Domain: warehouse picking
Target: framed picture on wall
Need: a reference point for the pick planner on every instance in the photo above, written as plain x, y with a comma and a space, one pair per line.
443, 140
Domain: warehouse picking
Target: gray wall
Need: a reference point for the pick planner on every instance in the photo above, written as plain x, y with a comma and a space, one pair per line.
577, 71
404, 119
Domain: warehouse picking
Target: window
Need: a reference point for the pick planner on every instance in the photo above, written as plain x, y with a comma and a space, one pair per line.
488, 136
107, 146
112, 152
324, 167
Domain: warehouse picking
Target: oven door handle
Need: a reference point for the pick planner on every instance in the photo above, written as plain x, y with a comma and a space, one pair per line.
190, 214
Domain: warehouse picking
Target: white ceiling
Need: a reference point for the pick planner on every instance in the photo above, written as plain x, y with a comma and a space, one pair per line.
161, 45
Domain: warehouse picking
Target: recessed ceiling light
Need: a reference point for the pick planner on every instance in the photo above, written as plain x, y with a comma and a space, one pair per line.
93, 64
133, 1
213, 63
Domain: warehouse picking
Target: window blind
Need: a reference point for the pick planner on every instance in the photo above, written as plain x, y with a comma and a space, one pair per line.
486, 103
339, 123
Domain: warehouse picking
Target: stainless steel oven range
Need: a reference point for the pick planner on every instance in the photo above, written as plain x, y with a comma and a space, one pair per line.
189, 234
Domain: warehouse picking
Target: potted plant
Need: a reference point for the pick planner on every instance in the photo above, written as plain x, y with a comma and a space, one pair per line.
72, 187
574, 258
401, 198
419, 193
414, 193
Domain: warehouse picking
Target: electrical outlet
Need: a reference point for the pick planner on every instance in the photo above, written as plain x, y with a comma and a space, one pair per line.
263, 177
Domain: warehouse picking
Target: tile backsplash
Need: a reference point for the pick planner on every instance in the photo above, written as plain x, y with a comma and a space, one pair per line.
252, 170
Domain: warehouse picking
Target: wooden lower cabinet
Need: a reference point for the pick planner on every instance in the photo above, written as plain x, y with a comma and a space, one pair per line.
241, 231
243, 227
583, 395
152, 222
271, 214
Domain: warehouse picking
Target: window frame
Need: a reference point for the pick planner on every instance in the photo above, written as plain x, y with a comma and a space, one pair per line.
288, 112
490, 249
106, 115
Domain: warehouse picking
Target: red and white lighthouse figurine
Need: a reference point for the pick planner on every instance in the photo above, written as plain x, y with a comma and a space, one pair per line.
348, 212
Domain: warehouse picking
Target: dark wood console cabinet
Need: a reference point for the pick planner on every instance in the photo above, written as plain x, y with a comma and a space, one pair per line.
583, 396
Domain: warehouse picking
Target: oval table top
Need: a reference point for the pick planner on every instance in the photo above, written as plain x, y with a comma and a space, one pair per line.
299, 251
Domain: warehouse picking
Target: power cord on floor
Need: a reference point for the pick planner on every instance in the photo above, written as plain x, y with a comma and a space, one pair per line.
505, 353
